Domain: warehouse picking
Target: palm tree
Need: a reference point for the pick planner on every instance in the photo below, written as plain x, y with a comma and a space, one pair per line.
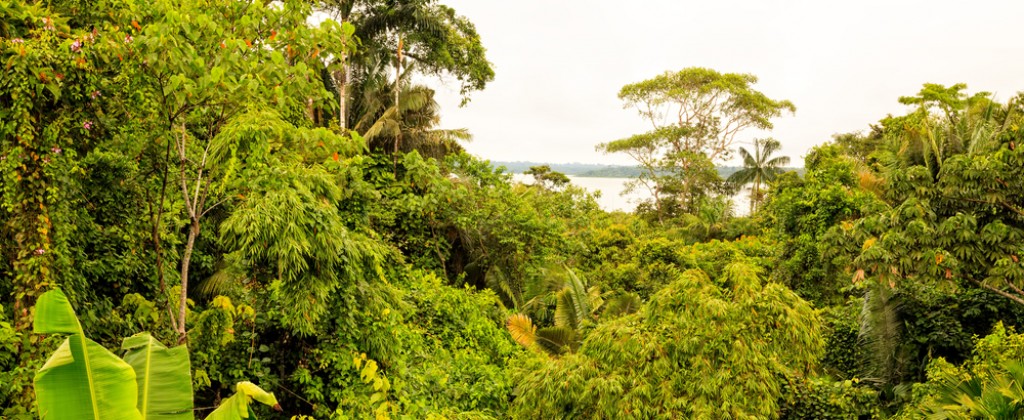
759, 168
575, 303
423, 32
412, 125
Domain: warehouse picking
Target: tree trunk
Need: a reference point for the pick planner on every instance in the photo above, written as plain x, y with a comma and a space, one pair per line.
754, 194
398, 109
193, 232
341, 79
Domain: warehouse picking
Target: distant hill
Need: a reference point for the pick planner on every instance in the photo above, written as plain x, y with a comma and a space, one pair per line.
593, 170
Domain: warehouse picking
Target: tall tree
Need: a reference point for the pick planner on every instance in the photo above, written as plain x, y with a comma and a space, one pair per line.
433, 37
759, 168
235, 62
695, 116
546, 178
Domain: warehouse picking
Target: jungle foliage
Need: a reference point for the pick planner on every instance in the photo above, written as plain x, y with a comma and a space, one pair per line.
209, 203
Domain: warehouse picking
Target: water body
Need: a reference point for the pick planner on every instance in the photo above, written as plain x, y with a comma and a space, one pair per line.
612, 199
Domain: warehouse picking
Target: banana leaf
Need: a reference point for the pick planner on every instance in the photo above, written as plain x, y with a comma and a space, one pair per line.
163, 375
81, 380
236, 407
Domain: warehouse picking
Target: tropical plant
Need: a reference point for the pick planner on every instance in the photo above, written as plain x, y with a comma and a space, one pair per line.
81, 379
409, 125
233, 67
436, 40
961, 228
759, 168
163, 377
575, 304
237, 406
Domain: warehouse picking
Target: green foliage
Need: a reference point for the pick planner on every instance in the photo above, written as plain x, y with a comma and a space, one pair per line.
289, 228
959, 228
844, 354
986, 386
433, 35
814, 398
450, 362
801, 211
175, 168
692, 351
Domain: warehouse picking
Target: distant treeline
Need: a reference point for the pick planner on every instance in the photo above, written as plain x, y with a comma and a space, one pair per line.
593, 170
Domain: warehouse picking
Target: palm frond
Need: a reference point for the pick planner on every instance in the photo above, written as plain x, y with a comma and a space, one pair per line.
556, 340
522, 329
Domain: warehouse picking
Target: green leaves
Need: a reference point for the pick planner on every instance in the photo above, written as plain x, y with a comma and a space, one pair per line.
81, 380
54, 315
163, 375
701, 348
237, 406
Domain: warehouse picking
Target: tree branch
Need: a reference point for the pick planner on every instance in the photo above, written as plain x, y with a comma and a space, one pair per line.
1002, 293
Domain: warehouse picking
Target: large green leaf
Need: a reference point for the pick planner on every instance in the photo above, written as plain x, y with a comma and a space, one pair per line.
163, 376
54, 315
236, 407
81, 380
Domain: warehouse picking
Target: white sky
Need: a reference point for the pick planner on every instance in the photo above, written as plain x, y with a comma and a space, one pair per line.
559, 64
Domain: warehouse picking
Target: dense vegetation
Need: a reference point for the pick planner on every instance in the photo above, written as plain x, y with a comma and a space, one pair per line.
268, 211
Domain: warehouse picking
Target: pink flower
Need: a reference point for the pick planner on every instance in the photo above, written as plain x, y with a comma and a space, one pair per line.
56, 150
76, 46
95, 94
128, 39
17, 41
87, 125
40, 251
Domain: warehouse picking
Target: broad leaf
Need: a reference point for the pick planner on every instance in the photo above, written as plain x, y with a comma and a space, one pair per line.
163, 376
81, 380
237, 407
54, 315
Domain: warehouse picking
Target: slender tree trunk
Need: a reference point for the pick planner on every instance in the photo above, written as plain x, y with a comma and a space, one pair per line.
754, 193
156, 217
193, 232
342, 79
398, 109
342, 96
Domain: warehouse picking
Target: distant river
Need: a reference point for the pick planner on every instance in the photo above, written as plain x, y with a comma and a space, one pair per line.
611, 189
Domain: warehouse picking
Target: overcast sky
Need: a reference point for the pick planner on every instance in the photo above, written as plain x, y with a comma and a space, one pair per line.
559, 64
